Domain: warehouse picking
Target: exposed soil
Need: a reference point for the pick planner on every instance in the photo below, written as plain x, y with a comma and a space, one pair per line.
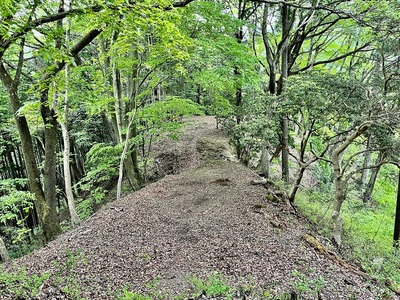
207, 218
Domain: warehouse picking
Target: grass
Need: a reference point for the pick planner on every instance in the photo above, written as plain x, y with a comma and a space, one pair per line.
368, 228
18, 285
214, 285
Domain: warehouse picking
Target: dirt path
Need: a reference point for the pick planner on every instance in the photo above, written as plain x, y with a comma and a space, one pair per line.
207, 218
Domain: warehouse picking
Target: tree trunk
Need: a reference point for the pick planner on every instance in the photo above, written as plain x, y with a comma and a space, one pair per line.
3, 251
366, 163
340, 195
123, 157
284, 140
109, 82
119, 111
67, 176
11, 163
284, 137
132, 171
271, 59
396, 231
42, 207
75, 220
341, 182
297, 183
367, 196
238, 96
272, 88
131, 163
66, 158
51, 225
237, 73
264, 163
198, 94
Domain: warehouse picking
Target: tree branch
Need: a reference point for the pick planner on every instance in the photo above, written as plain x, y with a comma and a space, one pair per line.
182, 3
337, 152
78, 47
6, 43
20, 64
357, 50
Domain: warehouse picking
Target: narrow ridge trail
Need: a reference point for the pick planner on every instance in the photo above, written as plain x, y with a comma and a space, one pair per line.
197, 222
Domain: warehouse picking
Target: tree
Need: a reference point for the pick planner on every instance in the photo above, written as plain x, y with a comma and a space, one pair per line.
341, 180
294, 36
29, 23
3, 251
75, 220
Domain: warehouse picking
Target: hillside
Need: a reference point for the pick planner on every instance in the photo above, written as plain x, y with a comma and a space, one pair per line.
206, 218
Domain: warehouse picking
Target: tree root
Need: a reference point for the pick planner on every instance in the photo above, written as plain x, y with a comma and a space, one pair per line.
392, 286
334, 256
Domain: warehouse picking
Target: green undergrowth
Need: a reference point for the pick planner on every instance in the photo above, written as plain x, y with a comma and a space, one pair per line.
19, 285
368, 227
216, 286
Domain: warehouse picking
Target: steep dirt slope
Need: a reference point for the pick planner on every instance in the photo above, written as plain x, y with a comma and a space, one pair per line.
207, 218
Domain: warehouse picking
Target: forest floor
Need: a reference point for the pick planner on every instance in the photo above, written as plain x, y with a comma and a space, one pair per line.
206, 218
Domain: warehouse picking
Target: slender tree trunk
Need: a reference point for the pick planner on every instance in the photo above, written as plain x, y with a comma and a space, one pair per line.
42, 207
284, 137
272, 80
366, 163
66, 161
264, 163
198, 94
3, 251
237, 73
119, 111
341, 181
107, 74
271, 59
75, 220
272, 85
123, 157
396, 231
367, 196
11, 163
51, 225
339, 194
67, 177
296, 186
46, 198
131, 161
108, 128
337, 205
21, 163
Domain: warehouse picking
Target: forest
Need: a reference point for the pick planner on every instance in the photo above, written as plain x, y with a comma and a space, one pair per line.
306, 90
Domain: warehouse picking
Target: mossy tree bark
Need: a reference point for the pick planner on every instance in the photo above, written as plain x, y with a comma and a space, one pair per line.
42, 208
51, 224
